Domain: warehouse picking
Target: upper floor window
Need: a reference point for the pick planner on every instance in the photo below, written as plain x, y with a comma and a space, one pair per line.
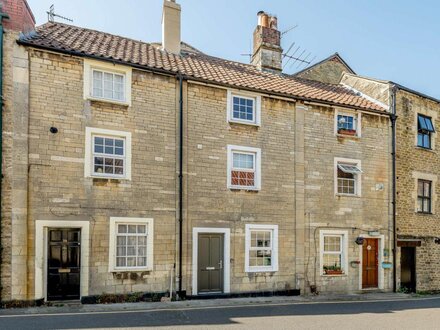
424, 196
108, 85
347, 124
244, 168
108, 154
244, 109
107, 82
348, 174
425, 128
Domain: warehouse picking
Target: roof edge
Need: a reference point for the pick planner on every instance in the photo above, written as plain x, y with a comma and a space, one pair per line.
24, 42
325, 60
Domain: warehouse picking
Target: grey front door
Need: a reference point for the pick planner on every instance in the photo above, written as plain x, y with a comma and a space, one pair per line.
210, 263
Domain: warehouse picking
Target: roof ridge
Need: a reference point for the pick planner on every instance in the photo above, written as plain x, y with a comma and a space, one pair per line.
81, 41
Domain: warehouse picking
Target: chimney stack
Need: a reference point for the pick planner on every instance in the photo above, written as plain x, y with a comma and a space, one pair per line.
20, 15
171, 26
267, 53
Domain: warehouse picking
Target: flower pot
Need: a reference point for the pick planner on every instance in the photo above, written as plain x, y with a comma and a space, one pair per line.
351, 132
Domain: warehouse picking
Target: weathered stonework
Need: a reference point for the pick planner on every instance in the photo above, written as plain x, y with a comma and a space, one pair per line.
412, 163
329, 71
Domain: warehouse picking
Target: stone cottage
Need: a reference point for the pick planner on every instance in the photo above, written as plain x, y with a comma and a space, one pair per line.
137, 167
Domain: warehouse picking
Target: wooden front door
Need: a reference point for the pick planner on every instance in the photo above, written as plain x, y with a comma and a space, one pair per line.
370, 263
210, 263
63, 264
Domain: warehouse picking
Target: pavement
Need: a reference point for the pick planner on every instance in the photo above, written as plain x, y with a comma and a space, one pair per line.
365, 311
76, 307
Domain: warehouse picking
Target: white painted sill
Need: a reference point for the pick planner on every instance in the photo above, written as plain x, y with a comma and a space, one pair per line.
107, 178
97, 99
243, 122
347, 195
334, 275
240, 188
355, 137
261, 270
130, 270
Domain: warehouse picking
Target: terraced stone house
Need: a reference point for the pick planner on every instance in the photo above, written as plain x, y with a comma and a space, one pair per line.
155, 168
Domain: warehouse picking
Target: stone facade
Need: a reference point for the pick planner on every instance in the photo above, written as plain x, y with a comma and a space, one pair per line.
412, 163
329, 70
298, 146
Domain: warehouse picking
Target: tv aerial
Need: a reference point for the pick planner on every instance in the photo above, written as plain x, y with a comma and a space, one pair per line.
51, 15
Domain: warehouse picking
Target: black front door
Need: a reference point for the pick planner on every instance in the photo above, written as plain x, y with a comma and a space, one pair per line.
210, 263
63, 264
408, 268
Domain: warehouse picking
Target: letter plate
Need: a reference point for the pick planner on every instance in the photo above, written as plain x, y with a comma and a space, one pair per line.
210, 268
64, 270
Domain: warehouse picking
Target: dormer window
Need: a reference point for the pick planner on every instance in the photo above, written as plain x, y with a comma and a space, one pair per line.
425, 128
244, 108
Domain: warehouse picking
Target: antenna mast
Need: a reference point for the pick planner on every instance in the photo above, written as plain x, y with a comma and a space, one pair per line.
51, 15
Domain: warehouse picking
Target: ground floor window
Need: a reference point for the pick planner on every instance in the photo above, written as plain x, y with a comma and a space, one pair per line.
131, 244
261, 248
333, 246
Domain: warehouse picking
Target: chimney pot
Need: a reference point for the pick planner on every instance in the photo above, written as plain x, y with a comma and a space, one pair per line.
267, 54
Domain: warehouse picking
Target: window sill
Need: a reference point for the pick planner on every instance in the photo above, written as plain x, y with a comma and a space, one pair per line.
424, 213
339, 135
131, 270
242, 122
426, 149
108, 178
347, 195
334, 275
97, 99
234, 188
261, 270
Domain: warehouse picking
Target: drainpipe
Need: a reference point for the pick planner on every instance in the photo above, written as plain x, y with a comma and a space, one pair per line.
2, 16
393, 118
180, 293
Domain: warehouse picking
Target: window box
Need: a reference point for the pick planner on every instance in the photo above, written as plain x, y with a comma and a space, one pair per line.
244, 108
244, 168
107, 154
335, 271
106, 82
343, 131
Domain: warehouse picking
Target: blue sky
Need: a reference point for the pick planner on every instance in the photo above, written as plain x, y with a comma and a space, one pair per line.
392, 40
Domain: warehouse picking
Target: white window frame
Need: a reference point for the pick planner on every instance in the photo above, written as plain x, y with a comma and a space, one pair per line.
257, 108
357, 117
344, 253
257, 166
358, 182
114, 221
105, 67
88, 159
274, 255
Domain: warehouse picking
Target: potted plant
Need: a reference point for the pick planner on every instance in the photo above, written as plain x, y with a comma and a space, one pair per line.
333, 270
346, 131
